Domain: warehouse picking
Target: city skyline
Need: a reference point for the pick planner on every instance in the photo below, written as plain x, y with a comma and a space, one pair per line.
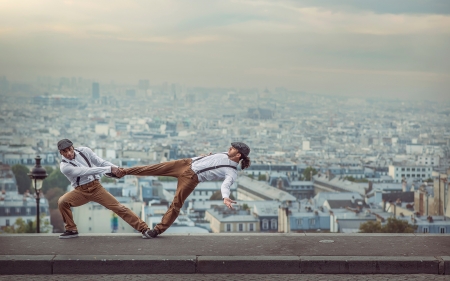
358, 49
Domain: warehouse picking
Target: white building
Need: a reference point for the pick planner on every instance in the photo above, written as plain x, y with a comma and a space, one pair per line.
398, 172
428, 160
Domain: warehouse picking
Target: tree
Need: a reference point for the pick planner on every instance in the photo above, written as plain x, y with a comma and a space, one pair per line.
307, 173
55, 179
218, 196
398, 226
245, 207
164, 178
370, 227
262, 178
393, 225
21, 226
22, 178
49, 170
107, 180
52, 196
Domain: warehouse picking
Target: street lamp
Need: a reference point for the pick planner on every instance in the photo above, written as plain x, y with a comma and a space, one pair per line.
38, 174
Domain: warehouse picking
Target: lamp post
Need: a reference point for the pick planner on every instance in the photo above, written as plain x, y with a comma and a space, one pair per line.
37, 174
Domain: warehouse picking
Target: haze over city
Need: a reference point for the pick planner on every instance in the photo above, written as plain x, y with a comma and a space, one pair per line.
350, 48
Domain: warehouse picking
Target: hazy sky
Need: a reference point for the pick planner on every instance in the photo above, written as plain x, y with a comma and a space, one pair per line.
356, 47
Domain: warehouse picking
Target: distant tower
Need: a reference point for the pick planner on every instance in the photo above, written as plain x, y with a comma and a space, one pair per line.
95, 91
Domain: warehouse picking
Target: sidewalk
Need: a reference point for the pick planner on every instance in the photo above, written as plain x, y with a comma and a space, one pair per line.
226, 253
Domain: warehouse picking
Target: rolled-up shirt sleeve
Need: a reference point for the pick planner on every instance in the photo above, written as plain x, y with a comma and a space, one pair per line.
73, 172
230, 177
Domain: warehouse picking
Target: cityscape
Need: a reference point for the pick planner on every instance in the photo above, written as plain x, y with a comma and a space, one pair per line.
319, 163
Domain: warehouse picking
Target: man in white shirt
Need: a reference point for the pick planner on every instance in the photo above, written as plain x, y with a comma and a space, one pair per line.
189, 172
83, 169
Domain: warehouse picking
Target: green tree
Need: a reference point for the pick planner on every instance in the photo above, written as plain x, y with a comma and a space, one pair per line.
164, 178
262, 178
307, 173
251, 176
245, 207
22, 178
107, 180
393, 225
218, 196
49, 169
52, 196
55, 179
21, 226
370, 227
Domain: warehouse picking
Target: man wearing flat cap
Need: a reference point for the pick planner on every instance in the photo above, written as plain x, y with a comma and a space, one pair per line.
190, 172
83, 168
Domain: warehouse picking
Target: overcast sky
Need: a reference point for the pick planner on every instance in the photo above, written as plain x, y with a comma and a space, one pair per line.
364, 48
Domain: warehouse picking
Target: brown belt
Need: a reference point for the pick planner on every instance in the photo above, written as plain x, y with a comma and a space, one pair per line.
89, 184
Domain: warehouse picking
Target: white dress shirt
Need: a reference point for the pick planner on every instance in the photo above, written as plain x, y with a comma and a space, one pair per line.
227, 174
82, 169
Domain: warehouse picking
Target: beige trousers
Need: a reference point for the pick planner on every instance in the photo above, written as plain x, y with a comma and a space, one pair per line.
95, 192
187, 181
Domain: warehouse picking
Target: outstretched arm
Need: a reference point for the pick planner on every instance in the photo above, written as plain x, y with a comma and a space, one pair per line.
225, 189
71, 171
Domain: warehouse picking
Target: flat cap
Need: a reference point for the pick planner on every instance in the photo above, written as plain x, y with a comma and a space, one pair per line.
64, 143
242, 148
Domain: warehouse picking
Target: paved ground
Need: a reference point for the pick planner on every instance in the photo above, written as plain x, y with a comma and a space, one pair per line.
229, 245
227, 253
228, 277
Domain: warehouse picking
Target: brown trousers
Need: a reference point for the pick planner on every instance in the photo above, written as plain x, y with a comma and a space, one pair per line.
187, 181
95, 192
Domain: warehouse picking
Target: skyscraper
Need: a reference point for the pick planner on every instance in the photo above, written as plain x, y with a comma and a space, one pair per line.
95, 91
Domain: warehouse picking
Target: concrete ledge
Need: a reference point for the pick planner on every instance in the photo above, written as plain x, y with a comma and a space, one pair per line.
144, 264
249, 265
446, 260
104, 264
369, 265
23, 264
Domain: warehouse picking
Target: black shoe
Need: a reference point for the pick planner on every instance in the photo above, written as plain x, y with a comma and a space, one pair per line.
149, 233
69, 234
111, 175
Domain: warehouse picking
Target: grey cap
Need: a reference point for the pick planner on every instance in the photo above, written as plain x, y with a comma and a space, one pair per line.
64, 143
242, 148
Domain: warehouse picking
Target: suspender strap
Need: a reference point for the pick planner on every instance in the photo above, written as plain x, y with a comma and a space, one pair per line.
78, 178
215, 167
85, 158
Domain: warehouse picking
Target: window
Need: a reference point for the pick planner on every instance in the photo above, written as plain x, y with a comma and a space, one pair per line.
241, 227
299, 221
423, 175
17, 210
28, 211
200, 193
90, 229
413, 169
425, 229
7, 211
312, 221
423, 169
228, 227
403, 175
265, 224
7, 222
403, 169
251, 227
442, 230
273, 224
